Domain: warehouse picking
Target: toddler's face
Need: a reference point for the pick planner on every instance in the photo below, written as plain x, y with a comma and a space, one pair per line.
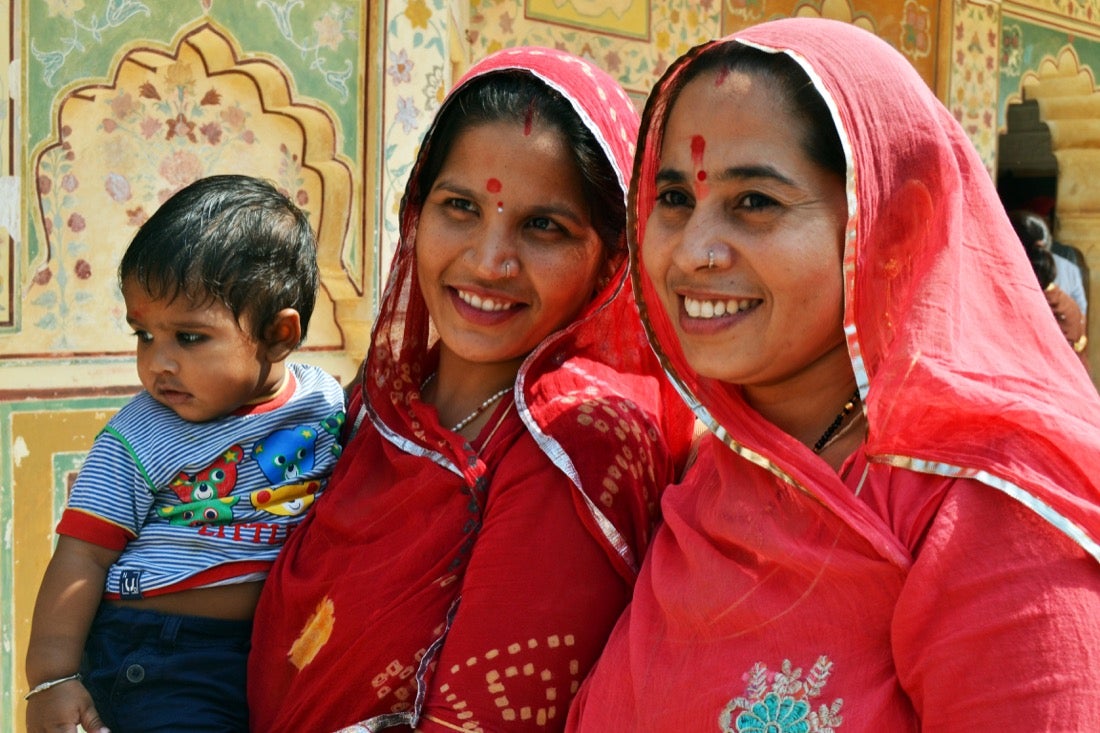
197, 359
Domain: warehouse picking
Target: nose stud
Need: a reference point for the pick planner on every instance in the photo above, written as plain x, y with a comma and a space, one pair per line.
508, 268
710, 259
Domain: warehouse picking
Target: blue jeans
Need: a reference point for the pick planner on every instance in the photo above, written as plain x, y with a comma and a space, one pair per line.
150, 671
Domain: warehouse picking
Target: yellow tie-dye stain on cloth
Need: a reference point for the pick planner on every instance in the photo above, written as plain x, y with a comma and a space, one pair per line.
315, 634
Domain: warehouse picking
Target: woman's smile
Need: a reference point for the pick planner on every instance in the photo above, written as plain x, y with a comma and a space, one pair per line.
487, 303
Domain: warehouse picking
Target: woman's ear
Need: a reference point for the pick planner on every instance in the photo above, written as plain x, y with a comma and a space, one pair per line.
608, 269
283, 335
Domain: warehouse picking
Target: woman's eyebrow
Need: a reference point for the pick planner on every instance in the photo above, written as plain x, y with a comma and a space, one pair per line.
754, 171
741, 172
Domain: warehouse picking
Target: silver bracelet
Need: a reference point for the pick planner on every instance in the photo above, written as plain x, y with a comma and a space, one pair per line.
42, 687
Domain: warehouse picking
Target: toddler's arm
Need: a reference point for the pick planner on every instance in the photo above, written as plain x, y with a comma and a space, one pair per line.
67, 601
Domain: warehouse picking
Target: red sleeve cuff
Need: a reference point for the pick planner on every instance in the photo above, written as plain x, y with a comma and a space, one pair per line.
93, 529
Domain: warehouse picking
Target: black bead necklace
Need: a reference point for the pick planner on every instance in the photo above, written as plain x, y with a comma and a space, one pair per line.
831, 430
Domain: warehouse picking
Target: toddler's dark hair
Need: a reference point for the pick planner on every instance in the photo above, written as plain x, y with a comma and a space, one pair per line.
233, 239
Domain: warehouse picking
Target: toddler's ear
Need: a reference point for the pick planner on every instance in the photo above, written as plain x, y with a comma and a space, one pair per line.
283, 335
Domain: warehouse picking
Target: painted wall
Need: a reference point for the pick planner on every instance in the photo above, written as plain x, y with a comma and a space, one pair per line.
113, 104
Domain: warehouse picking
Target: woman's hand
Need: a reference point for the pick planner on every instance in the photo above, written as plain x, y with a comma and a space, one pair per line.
1067, 312
1070, 320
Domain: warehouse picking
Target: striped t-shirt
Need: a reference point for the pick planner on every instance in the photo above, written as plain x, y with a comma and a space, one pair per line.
193, 504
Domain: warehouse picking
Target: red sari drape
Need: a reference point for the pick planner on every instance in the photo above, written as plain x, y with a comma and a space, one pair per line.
457, 585
946, 578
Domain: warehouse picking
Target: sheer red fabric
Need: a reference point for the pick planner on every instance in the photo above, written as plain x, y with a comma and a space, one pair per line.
457, 585
946, 579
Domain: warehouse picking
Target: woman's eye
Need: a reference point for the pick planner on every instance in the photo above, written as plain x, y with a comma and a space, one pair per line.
543, 223
143, 336
756, 201
189, 338
461, 204
672, 197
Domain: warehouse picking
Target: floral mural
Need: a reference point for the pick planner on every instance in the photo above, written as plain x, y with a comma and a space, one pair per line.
167, 119
674, 27
973, 94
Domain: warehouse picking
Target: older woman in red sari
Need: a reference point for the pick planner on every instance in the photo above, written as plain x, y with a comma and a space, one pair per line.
892, 523
483, 528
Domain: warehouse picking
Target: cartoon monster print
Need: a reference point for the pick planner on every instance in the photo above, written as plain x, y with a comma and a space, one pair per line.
205, 494
211, 511
332, 425
286, 454
217, 479
288, 500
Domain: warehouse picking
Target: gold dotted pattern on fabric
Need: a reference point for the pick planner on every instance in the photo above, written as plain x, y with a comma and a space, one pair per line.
398, 680
633, 459
499, 666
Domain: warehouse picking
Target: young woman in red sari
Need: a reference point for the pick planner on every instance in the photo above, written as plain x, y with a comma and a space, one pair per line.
892, 523
482, 530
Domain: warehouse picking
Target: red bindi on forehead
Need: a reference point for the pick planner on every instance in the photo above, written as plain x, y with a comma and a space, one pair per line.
493, 185
529, 119
698, 147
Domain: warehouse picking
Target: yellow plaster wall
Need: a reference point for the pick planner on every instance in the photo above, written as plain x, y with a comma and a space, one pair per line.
37, 486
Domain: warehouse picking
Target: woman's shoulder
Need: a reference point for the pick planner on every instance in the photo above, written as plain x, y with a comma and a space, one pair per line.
611, 432
982, 515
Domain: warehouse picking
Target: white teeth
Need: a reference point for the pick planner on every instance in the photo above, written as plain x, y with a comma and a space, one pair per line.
715, 308
483, 304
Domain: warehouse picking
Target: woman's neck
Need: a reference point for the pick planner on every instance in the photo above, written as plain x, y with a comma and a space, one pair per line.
459, 388
806, 404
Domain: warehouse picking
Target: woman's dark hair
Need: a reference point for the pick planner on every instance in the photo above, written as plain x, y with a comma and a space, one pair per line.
518, 96
821, 141
1032, 233
233, 239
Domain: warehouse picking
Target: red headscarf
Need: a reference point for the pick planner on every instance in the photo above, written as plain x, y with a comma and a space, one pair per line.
382, 560
962, 369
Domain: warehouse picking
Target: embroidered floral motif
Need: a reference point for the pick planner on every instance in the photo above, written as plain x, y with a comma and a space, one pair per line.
779, 702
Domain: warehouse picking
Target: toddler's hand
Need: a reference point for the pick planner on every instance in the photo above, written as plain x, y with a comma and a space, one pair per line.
61, 709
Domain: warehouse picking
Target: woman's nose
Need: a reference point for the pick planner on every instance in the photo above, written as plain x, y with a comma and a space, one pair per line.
704, 242
494, 252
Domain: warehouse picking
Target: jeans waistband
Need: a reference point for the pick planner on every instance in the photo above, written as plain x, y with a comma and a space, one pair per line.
170, 627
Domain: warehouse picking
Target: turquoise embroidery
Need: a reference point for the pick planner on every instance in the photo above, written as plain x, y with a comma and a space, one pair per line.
779, 702
775, 715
